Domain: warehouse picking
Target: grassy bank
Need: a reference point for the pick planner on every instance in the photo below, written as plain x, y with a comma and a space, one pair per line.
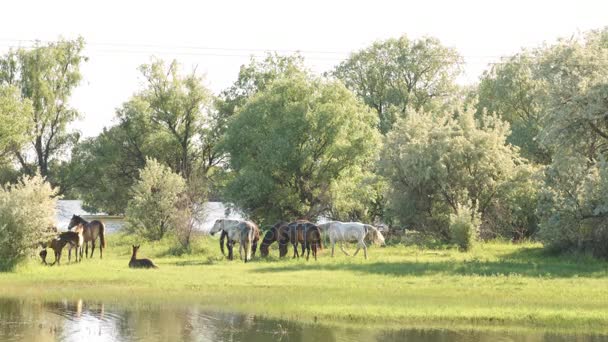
496, 284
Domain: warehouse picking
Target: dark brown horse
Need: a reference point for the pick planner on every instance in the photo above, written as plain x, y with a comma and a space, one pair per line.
140, 263
73, 239
91, 230
279, 232
306, 233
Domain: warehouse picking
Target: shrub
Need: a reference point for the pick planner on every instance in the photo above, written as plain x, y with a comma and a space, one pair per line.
464, 227
153, 208
27, 210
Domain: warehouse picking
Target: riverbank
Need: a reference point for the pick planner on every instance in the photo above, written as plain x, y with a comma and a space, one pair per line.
495, 285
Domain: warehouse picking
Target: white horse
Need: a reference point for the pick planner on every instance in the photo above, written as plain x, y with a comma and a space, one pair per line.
246, 233
351, 231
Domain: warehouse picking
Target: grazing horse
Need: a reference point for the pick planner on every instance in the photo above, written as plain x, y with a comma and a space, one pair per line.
140, 263
91, 230
73, 238
306, 233
246, 233
279, 232
352, 231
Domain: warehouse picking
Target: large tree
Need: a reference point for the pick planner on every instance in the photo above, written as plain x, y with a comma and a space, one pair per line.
516, 90
395, 74
14, 115
294, 145
438, 164
46, 75
179, 105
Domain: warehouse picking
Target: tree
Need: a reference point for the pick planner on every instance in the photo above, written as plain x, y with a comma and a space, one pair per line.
438, 163
46, 76
516, 90
14, 114
292, 144
395, 74
154, 198
572, 205
178, 105
27, 210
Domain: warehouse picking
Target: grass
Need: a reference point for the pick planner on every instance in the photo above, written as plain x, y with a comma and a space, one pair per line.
494, 285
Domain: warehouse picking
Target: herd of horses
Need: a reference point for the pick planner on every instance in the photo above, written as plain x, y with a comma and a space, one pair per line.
244, 233
307, 234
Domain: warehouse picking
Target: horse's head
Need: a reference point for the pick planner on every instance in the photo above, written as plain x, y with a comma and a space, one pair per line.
135, 248
217, 226
74, 221
377, 236
270, 237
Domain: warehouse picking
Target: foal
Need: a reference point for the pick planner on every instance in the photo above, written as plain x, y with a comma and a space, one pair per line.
140, 263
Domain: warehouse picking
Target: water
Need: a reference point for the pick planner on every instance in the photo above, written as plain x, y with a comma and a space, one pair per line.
67, 208
79, 320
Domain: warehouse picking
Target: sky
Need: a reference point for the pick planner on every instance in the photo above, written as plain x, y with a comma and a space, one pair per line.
217, 37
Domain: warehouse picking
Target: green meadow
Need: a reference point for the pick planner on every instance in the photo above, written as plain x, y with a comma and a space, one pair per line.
494, 285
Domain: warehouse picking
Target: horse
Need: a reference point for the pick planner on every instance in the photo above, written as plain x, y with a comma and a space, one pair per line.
140, 263
246, 233
352, 231
279, 232
91, 230
306, 233
73, 238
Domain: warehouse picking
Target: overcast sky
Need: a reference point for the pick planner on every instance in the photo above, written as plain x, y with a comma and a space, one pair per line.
219, 36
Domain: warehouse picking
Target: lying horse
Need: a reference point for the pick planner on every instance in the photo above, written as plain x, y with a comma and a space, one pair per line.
306, 233
246, 233
279, 232
91, 230
140, 263
352, 231
73, 238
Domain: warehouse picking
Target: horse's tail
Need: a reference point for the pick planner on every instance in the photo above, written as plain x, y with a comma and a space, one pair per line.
102, 237
248, 244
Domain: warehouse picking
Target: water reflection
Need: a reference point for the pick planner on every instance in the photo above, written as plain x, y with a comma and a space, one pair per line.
77, 320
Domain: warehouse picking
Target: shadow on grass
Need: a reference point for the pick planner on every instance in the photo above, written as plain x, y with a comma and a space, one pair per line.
527, 262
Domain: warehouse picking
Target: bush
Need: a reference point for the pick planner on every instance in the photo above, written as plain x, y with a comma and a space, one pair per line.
573, 206
153, 208
27, 210
464, 227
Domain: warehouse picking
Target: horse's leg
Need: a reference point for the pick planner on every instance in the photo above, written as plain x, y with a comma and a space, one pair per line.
100, 249
92, 247
70, 255
229, 245
241, 247
314, 251
86, 250
333, 247
344, 250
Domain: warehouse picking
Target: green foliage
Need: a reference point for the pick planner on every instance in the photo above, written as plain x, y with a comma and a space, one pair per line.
293, 144
14, 115
395, 74
436, 162
169, 120
154, 198
27, 210
516, 90
46, 75
464, 227
574, 206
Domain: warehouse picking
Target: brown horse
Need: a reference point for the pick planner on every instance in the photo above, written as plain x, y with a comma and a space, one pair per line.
73, 238
306, 233
140, 263
279, 232
91, 230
